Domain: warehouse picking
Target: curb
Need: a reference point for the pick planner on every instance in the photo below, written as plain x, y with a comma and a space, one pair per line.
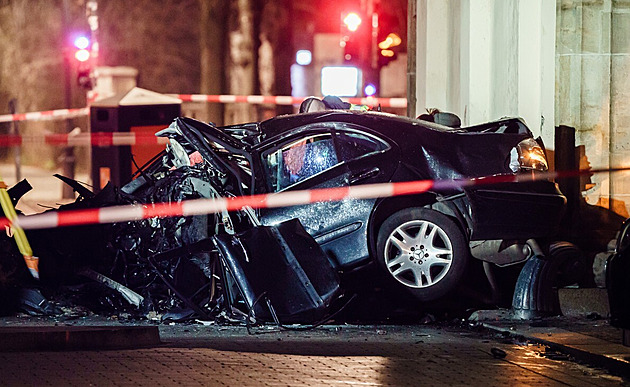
600, 353
64, 338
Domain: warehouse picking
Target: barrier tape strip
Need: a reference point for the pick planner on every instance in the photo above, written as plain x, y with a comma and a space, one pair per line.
46, 115
128, 213
101, 139
252, 99
285, 100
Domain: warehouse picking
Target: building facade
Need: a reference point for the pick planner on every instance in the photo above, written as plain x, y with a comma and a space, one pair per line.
551, 62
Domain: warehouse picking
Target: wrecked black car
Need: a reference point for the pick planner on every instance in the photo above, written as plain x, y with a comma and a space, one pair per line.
421, 242
283, 264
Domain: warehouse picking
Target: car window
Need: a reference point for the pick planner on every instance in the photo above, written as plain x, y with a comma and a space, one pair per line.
299, 160
354, 145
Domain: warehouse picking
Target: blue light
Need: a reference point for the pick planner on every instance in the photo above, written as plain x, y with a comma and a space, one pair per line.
369, 90
303, 57
81, 42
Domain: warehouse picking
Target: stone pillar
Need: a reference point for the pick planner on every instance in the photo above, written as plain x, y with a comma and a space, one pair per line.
438, 55
486, 59
536, 66
593, 67
478, 53
620, 106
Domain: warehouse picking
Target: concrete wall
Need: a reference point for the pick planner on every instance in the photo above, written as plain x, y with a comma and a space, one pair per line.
593, 92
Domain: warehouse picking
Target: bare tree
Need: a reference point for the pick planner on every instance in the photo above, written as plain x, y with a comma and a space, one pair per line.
159, 38
33, 47
212, 45
240, 59
275, 53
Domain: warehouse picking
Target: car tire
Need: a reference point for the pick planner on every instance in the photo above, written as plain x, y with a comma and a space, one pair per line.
569, 266
433, 259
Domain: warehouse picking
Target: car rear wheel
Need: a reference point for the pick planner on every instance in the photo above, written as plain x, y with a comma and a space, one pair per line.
422, 250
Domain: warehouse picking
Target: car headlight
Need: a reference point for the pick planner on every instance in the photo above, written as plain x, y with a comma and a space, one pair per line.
529, 155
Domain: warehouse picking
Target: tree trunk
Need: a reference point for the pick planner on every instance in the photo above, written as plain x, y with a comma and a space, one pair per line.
275, 54
212, 46
240, 60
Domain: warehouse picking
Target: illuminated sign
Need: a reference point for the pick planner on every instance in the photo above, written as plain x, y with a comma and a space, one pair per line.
343, 81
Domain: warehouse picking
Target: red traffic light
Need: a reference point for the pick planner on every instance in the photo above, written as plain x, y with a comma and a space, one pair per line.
82, 43
352, 21
82, 55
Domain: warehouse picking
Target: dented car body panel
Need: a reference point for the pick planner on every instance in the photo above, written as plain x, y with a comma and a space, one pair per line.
281, 264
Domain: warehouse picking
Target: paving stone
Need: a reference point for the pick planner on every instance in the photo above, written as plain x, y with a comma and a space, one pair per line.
358, 357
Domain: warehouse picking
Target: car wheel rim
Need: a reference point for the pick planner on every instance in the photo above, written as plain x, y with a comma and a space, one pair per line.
418, 254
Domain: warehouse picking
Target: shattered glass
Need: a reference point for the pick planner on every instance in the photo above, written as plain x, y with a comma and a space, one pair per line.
299, 161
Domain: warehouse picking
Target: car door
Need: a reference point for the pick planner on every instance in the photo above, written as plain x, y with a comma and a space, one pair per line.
369, 160
322, 157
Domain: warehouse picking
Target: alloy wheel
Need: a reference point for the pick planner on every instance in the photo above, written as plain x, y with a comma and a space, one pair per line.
418, 254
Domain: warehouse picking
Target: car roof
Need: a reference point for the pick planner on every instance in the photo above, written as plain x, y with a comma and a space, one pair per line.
374, 120
385, 124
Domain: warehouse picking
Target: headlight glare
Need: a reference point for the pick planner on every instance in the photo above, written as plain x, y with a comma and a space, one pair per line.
529, 155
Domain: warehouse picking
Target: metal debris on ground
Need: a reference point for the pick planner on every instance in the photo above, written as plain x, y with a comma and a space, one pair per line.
498, 353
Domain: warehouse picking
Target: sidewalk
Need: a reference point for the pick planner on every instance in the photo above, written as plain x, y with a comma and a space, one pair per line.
586, 338
583, 332
593, 342
331, 355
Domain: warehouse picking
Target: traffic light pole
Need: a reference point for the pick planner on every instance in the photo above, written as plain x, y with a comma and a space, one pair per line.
91, 12
375, 76
373, 34
15, 130
67, 162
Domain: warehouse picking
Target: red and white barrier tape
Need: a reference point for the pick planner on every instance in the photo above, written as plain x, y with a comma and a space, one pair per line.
128, 213
46, 115
285, 100
102, 139
252, 99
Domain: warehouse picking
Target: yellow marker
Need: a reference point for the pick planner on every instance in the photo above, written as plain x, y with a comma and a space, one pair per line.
17, 232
